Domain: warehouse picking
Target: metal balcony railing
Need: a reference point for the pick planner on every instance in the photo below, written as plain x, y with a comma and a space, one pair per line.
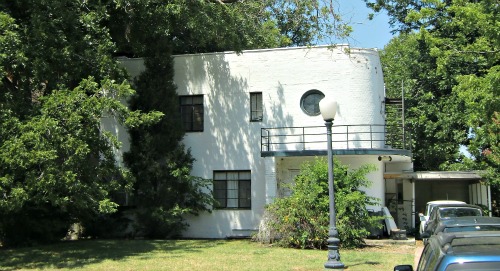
344, 137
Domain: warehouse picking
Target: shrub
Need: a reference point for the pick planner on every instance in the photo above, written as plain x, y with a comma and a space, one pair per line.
33, 225
119, 224
302, 219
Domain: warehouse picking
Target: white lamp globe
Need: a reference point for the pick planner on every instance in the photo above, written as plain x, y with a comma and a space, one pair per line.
328, 108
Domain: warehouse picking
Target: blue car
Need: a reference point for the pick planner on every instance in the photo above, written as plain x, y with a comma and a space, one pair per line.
454, 251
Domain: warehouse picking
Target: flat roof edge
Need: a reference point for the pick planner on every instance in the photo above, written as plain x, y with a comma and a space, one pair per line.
333, 46
336, 152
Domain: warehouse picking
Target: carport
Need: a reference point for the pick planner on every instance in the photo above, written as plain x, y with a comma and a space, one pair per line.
448, 185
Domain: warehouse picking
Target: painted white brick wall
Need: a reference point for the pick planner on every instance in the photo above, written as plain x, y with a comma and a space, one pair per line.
231, 142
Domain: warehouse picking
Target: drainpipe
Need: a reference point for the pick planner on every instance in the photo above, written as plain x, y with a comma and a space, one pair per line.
489, 200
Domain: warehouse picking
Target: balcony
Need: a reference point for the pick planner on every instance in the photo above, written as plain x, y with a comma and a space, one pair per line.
346, 139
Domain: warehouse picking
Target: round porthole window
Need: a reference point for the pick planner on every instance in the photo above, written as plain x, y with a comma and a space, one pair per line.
310, 102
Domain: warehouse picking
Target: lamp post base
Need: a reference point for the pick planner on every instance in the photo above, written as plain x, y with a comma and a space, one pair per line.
334, 265
333, 252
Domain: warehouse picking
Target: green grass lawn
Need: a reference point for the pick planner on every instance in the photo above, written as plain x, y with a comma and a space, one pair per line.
192, 255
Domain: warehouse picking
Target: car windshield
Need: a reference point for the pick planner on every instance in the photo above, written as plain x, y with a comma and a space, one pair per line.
430, 205
473, 228
474, 266
459, 212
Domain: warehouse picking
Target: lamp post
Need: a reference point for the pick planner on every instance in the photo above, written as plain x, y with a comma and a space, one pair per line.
328, 108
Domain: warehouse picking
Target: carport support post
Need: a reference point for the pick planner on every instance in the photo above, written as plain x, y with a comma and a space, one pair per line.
328, 110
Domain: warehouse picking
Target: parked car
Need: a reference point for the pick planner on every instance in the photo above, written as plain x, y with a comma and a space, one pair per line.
478, 251
465, 224
424, 217
447, 211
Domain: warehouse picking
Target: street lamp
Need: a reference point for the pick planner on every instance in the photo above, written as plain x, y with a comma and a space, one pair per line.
328, 108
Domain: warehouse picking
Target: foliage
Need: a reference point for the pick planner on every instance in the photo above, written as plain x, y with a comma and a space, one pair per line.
447, 58
302, 219
60, 161
55, 166
34, 224
436, 133
210, 26
167, 194
307, 22
164, 191
57, 43
482, 98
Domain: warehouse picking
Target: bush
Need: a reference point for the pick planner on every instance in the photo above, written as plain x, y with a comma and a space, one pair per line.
302, 219
33, 225
120, 224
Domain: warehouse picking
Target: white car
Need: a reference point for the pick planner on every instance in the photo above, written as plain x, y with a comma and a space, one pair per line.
428, 208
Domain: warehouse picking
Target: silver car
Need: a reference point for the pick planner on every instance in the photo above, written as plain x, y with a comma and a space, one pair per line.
424, 217
449, 211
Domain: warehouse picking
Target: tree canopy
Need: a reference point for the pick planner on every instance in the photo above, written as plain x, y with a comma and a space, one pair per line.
212, 26
447, 57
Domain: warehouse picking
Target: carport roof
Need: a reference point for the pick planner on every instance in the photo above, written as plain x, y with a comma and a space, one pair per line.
441, 175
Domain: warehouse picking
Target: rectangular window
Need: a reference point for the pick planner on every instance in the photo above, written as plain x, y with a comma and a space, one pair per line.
192, 112
232, 189
256, 112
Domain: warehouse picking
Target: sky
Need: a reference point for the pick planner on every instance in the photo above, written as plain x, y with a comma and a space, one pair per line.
367, 33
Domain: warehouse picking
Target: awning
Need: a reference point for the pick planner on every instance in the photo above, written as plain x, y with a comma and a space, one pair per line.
436, 175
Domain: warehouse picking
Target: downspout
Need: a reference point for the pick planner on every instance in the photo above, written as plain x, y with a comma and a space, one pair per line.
413, 204
489, 201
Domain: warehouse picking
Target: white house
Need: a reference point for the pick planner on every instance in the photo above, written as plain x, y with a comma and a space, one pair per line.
253, 118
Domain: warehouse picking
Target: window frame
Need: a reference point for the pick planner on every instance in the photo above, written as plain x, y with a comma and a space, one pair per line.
192, 110
221, 191
256, 114
304, 99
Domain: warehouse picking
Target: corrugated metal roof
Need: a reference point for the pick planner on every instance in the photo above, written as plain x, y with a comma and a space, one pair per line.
441, 175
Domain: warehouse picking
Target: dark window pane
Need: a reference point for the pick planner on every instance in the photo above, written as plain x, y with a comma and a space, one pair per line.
310, 102
220, 188
192, 112
232, 189
244, 194
198, 99
256, 113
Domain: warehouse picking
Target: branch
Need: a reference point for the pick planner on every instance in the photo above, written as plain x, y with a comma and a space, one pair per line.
472, 52
224, 1
478, 52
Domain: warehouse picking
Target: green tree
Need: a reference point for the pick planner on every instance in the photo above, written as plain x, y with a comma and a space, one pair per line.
164, 191
481, 95
212, 26
302, 219
60, 168
448, 63
58, 80
432, 111
59, 44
